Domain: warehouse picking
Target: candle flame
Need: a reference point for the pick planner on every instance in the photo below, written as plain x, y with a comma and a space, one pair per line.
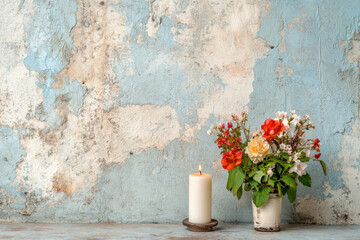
200, 169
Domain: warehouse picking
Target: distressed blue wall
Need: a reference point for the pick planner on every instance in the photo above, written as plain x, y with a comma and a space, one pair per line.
105, 105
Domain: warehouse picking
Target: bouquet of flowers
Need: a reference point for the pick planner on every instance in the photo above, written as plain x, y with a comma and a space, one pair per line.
270, 160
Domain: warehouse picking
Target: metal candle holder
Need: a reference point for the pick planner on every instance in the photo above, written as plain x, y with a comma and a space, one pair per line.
199, 227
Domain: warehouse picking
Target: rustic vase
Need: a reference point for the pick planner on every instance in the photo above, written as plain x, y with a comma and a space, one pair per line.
267, 218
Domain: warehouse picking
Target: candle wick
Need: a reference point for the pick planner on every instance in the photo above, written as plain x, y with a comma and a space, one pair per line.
200, 172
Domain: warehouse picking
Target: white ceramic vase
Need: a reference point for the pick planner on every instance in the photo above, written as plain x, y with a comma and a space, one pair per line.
267, 218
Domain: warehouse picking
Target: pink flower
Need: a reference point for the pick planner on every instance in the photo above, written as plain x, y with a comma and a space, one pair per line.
222, 126
229, 125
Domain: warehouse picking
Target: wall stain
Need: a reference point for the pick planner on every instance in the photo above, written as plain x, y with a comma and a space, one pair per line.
101, 96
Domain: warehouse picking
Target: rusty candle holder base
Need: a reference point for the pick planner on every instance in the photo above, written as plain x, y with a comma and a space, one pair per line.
198, 227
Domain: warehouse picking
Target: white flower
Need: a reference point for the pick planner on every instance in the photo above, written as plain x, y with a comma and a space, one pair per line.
288, 147
270, 170
257, 149
296, 120
294, 158
292, 112
281, 115
286, 123
307, 152
307, 117
209, 132
299, 168
282, 146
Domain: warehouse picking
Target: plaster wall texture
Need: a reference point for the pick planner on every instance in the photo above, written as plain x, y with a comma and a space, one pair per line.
104, 105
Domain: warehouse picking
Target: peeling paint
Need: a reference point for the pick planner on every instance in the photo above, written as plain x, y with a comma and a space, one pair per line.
322, 82
105, 104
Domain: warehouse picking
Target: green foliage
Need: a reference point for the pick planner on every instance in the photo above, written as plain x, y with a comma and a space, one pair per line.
261, 196
239, 193
288, 180
285, 155
291, 193
280, 191
271, 182
247, 187
305, 180
323, 165
305, 159
231, 179
255, 177
235, 180
239, 179
258, 175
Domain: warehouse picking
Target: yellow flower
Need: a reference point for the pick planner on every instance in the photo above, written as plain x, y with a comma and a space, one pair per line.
257, 149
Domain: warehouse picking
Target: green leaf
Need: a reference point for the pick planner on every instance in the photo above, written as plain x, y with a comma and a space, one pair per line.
323, 165
279, 168
253, 182
288, 181
287, 166
238, 179
279, 191
266, 177
302, 155
251, 173
305, 180
271, 182
258, 175
247, 187
291, 192
305, 159
284, 155
260, 197
239, 193
231, 178
275, 160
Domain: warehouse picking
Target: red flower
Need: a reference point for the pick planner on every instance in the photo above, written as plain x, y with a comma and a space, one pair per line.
317, 155
316, 145
221, 141
226, 133
222, 126
231, 159
229, 125
238, 139
272, 128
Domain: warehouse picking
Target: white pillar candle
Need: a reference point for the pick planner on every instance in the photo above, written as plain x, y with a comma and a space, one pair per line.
200, 197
